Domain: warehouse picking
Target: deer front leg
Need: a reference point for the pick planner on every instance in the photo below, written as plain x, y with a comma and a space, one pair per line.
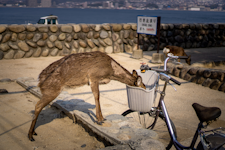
45, 100
95, 91
39, 106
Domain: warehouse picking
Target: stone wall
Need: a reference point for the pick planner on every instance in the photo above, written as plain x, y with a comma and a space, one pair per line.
23, 41
186, 36
212, 78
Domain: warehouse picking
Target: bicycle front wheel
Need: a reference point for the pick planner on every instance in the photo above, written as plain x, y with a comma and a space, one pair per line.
147, 119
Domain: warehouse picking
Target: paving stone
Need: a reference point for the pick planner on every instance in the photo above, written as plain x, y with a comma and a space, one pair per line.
12, 45
29, 53
6, 38
45, 52
54, 52
31, 28
23, 46
207, 82
43, 28
53, 28
76, 28
19, 54
9, 54
215, 84
37, 52
16, 28
4, 47
21, 36
37, 37
2, 28
222, 87
117, 27
104, 34
66, 28
13, 37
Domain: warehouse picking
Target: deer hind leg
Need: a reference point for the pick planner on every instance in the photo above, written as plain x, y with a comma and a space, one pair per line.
95, 91
45, 100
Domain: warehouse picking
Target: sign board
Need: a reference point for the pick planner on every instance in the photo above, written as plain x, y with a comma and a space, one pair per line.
147, 25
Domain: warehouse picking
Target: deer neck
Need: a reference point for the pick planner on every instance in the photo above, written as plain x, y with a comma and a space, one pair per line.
121, 74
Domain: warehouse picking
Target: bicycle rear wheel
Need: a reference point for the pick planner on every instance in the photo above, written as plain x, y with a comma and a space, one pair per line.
147, 120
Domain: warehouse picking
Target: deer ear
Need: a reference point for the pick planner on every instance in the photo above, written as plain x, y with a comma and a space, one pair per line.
139, 83
135, 74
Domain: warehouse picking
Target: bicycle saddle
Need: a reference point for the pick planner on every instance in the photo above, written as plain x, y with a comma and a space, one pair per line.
206, 114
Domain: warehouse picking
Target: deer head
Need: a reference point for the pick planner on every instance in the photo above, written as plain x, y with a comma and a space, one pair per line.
188, 61
138, 81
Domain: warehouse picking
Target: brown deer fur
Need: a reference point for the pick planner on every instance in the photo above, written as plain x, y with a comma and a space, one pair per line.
92, 68
177, 51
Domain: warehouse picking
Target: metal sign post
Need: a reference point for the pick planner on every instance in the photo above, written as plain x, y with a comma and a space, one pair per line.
151, 26
158, 32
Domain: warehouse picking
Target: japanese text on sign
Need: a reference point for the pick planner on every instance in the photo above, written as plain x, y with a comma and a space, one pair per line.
147, 25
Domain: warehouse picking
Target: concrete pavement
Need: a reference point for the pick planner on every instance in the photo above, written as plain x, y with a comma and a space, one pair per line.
113, 96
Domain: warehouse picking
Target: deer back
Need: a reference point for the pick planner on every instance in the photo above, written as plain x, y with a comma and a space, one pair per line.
78, 69
177, 51
84, 68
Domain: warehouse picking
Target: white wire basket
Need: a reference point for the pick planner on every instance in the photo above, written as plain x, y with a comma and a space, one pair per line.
140, 99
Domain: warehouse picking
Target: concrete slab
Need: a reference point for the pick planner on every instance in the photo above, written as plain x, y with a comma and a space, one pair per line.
157, 58
115, 130
137, 54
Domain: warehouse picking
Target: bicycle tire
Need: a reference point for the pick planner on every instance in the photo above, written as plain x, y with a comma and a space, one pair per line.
160, 127
200, 146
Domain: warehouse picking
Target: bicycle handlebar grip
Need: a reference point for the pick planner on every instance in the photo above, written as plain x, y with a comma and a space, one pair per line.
159, 70
175, 81
183, 57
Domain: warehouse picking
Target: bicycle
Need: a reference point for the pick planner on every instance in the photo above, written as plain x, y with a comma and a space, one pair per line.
208, 141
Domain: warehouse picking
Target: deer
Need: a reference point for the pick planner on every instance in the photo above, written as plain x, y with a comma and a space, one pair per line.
75, 70
177, 51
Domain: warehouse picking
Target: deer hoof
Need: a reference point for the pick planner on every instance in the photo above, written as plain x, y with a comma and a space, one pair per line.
31, 138
34, 133
100, 122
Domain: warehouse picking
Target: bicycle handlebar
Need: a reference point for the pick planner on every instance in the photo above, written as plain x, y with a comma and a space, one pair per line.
170, 55
175, 81
170, 78
158, 70
163, 71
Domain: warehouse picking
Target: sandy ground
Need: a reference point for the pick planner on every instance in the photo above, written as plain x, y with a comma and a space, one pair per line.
55, 131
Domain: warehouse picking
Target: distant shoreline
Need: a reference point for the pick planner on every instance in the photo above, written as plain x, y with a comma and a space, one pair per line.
120, 9
24, 15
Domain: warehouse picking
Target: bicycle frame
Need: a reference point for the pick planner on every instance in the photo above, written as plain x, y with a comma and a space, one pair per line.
169, 126
162, 108
166, 115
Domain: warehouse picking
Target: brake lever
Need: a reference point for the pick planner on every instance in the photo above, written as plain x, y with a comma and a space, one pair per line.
172, 86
